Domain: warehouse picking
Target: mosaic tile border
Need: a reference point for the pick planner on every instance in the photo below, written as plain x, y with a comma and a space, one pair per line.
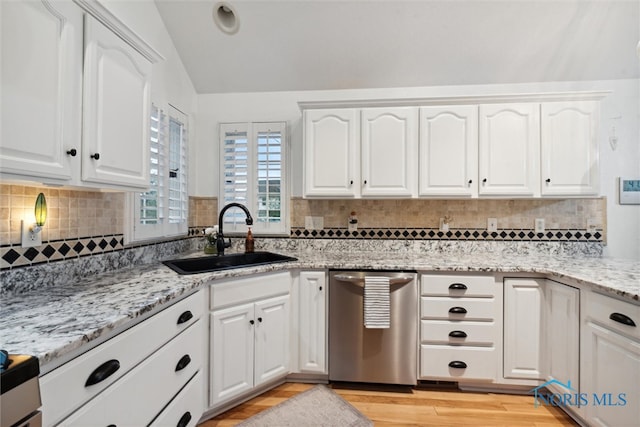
525, 235
58, 250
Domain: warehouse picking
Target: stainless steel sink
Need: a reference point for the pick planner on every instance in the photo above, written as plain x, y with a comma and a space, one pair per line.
224, 262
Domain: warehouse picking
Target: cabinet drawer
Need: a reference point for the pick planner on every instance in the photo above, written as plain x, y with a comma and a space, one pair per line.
140, 395
603, 310
186, 408
246, 289
458, 308
457, 285
460, 333
128, 348
439, 361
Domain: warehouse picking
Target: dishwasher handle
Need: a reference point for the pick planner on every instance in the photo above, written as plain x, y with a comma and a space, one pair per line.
359, 280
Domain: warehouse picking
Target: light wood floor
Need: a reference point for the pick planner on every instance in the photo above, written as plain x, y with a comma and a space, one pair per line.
417, 408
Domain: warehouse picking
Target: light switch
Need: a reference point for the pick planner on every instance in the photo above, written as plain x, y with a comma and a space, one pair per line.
539, 225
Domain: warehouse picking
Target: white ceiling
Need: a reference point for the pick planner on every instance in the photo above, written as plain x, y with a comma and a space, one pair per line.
327, 44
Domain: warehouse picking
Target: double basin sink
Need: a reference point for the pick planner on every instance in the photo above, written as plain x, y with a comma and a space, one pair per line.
224, 262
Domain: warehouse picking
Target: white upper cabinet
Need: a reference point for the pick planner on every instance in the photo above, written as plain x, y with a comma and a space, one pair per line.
331, 153
360, 153
75, 96
448, 151
116, 110
509, 148
389, 152
41, 88
569, 148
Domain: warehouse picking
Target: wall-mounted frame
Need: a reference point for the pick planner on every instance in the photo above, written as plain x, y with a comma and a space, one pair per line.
629, 191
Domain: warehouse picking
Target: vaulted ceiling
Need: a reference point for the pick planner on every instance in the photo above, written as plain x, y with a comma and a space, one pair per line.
285, 45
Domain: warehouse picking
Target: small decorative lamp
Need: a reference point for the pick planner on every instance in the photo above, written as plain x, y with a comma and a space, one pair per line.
31, 236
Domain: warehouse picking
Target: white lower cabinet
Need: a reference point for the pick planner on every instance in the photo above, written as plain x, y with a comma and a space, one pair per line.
610, 361
561, 340
312, 322
541, 330
249, 334
141, 394
130, 378
460, 327
523, 328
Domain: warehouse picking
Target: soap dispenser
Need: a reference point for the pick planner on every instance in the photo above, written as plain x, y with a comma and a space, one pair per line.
248, 242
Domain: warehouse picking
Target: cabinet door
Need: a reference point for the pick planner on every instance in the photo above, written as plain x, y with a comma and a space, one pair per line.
509, 150
389, 152
312, 346
232, 346
569, 148
331, 153
610, 379
561, 331
116, 110
272, 339
522, 330
41, 87
448, 151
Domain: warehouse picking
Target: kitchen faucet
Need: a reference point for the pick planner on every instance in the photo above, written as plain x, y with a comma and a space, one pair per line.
220, 243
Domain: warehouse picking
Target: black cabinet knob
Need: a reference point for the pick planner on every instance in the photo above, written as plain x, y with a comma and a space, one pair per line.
470, 181
622, 318
252, 322
184, 420
72, 152
260, 319
185, 317
320, 287
351, 182
484, 180
458, 310
548, 180
95, 156
457, 364
103, 372
183, 362
365, 182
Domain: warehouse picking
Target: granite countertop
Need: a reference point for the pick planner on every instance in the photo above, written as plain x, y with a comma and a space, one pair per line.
65, 320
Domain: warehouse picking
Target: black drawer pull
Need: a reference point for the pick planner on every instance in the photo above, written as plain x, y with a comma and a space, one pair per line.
622, 318
185, 317
103, 372
457, 364
458, 310
183, 362
184, 420
458, 334
458, 286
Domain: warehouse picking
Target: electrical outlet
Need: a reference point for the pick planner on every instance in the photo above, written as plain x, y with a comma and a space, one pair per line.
444, 226
492, 224
539, 225
592, 225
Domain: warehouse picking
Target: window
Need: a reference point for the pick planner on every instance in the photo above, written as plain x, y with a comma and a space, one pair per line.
253, 169
162, 210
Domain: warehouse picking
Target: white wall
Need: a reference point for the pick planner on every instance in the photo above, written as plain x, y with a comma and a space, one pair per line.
620, 109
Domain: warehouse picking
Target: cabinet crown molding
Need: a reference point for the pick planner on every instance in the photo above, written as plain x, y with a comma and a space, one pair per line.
102, 14
456, 100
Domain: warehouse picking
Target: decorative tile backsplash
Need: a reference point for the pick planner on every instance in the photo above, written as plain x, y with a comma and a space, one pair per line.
88, 223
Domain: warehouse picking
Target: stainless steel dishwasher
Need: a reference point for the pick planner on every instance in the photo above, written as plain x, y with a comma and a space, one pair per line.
359, 354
